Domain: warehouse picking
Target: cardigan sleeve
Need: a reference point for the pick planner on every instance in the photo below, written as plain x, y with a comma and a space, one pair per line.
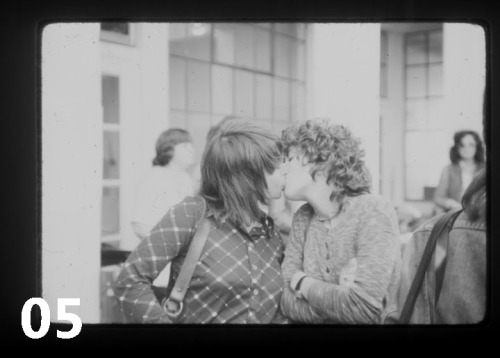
378, 256
296, 309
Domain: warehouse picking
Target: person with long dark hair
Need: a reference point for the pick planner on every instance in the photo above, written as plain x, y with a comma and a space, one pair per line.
467, 159
462, 298
238, 276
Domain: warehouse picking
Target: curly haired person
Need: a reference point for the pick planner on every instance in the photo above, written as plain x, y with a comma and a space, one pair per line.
343, 255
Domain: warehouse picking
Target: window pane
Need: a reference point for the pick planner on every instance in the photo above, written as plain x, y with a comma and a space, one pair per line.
383, 81
421, 171
198, 127
244, 93
417, 115
384, 49
111, 157
190, 40
177, 119
177, 83
110, 214
224, 43
222, 90
198, 86
244, 46
262, 50
265, 25
415, 49
436, 46
436, 80
301, 31
416, 82
198, 41
110, 99
281, 100
298, 64
177, 38
437, 119
263, 96
282, 56
297, 105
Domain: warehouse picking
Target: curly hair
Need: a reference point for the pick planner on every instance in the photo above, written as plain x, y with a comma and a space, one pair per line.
166, 142
332, 150
457, 140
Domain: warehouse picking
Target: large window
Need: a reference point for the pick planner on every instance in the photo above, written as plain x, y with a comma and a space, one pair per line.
110, 213
424, 118
384, 59
253, 70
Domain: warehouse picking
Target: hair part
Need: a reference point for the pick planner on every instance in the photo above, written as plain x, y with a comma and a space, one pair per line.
457, 140
234, 163
333, 151
166, 142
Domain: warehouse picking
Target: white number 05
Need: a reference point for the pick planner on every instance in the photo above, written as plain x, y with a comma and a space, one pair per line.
62, 315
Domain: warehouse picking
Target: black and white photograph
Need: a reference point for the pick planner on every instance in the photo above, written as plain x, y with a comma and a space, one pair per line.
264, 172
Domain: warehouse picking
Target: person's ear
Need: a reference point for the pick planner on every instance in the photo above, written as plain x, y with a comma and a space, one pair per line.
320, 176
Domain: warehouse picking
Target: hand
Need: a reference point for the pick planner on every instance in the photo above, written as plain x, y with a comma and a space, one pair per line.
348, 273
295, 279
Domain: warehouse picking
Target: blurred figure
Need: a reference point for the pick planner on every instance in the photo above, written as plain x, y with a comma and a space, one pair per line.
467, 159
168, 181
462, 299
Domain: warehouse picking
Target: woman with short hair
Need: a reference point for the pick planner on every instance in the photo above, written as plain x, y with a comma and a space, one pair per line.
238, 277
166, 183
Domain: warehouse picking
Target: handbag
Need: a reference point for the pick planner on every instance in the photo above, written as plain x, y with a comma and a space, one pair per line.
438, 244
171, 298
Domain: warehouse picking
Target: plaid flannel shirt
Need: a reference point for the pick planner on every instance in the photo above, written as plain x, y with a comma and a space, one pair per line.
236, 280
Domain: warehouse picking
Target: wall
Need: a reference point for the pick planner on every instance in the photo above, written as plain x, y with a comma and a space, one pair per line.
71, 146
344, 75
144, 108
392, 127
464, 75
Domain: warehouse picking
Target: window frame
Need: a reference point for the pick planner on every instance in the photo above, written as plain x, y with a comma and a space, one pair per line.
427, 97
118, 38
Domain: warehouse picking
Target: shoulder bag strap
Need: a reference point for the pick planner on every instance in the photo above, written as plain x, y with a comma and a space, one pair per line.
174, 303
441, 254
440, 228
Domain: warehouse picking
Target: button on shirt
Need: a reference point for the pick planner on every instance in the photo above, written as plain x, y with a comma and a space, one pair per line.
236, 280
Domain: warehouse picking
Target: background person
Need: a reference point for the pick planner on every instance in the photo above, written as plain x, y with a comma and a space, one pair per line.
167, 183
467, 158
463, 295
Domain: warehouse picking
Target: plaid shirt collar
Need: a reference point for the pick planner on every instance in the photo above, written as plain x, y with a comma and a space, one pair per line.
266, 228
